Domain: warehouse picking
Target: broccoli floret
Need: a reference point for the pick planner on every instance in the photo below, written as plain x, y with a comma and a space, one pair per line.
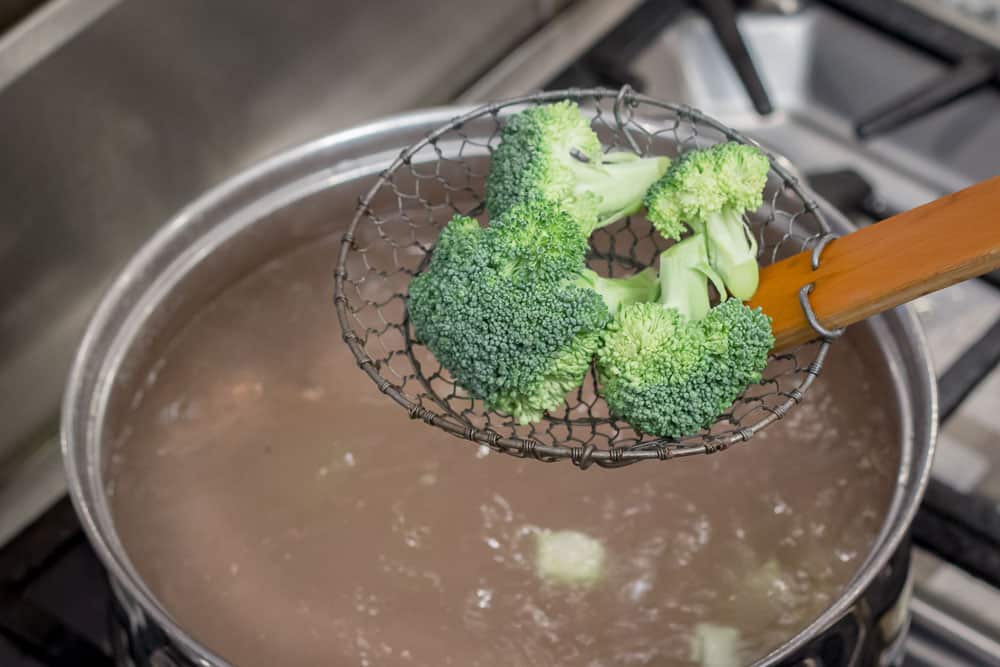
538, 238
671, 367
551, 152
709, 190
569, 557
510, 310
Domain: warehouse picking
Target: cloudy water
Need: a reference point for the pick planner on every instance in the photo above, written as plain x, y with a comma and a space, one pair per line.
286, 513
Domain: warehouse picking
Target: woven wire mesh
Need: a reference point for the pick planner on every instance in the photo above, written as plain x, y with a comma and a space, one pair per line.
396, 224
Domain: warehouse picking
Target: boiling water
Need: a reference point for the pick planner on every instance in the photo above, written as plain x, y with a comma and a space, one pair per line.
285, 513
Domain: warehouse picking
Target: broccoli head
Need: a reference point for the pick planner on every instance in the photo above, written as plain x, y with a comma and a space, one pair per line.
709, 190
551, 152
671, 367
510, 310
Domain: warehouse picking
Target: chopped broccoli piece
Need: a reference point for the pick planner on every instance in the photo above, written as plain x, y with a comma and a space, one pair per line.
551, 152
709, 190
569, 557
671, 367
716, 645
510, 310
538, 239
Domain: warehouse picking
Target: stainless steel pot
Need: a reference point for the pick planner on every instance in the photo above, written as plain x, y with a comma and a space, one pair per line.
282, 203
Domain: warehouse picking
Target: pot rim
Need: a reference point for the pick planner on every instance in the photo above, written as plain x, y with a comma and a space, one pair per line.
86, 395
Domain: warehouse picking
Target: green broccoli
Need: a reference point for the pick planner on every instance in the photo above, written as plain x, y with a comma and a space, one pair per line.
551, 152
569, 558
709, 190
671, 367
618, 292
510, 310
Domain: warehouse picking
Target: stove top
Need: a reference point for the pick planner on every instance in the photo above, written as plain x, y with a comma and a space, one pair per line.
853, 94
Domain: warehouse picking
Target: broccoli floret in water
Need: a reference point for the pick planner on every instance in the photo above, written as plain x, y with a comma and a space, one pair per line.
510, 311
709, 190
551, 152
671, 367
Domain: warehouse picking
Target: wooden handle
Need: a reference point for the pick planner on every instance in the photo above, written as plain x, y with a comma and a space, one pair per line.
887, 264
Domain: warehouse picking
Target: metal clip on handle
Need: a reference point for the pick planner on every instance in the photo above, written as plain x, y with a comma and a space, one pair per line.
817, 253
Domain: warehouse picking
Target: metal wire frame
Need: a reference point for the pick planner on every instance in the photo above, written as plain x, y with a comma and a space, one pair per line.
391, 237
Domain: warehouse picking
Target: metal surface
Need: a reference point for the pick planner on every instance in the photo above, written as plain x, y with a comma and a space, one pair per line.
980, 18
116, 114
549, 51
395, 224
287, 201
818, 66
722, 15
967, 76
939, 639
43, 32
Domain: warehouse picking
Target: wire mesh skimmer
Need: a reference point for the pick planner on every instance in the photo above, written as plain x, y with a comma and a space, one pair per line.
397, 222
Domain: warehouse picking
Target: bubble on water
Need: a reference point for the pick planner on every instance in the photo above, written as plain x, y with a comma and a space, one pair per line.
492, 543
703, 530
482, 452
349, 460
484, 597
826, 497
414, 535
428, 479
322, 472
154, 372
137, 399
234, 569
845, 555
247, 389
637, 589
435, 579
172, 411
312, 394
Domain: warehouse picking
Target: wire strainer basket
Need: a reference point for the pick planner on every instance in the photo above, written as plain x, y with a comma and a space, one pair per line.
392, 236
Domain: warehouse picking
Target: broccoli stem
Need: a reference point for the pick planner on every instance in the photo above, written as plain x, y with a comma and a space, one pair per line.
684, 275
732, 250
620, 181
618, 292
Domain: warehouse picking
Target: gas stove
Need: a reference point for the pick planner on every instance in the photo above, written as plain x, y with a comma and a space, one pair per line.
882, 106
